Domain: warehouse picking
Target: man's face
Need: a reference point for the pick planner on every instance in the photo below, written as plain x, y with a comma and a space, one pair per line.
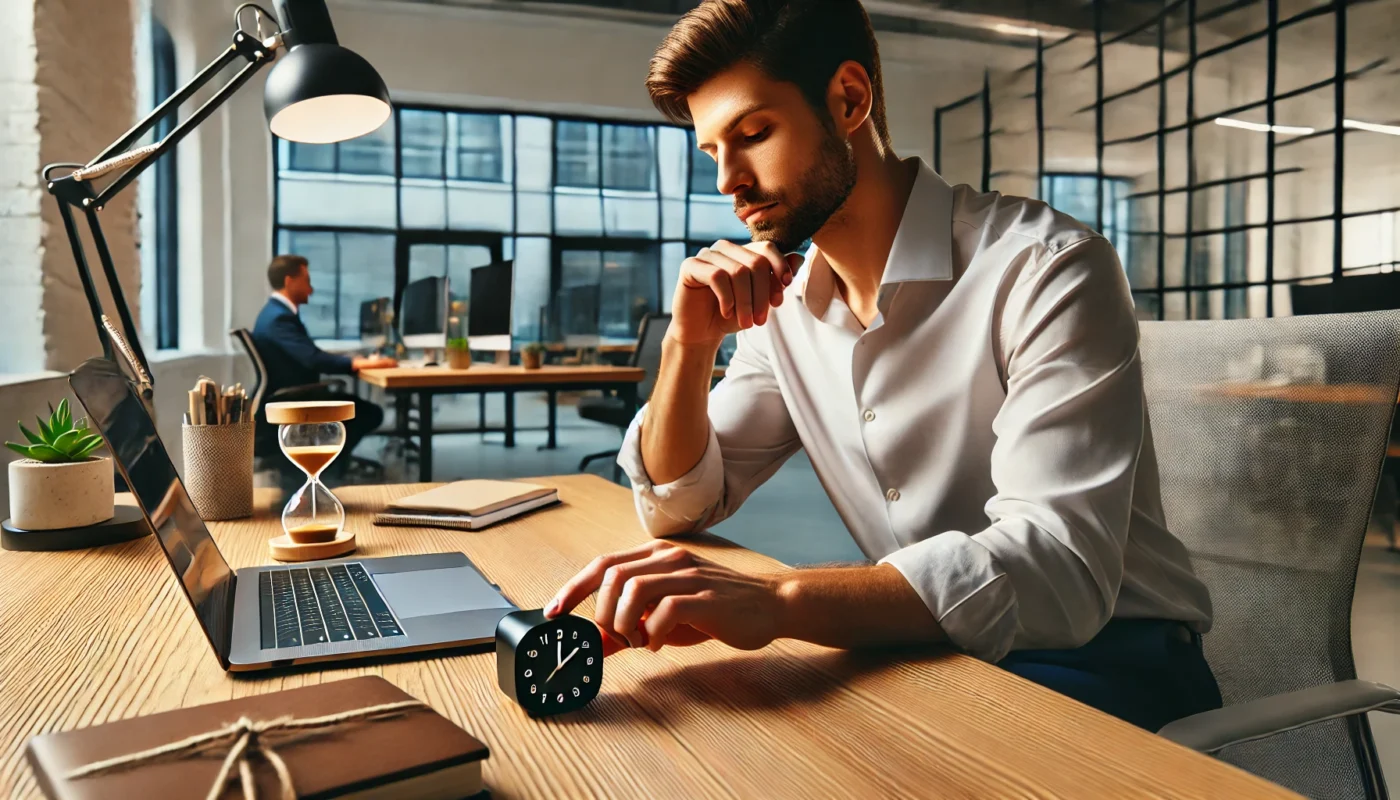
787, 169
298, 287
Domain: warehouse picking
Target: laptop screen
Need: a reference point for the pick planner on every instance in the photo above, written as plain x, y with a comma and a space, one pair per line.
114, 407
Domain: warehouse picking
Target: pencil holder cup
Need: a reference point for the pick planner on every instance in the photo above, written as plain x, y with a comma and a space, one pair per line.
219, 469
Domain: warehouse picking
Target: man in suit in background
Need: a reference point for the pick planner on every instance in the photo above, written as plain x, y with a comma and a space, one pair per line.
292, 358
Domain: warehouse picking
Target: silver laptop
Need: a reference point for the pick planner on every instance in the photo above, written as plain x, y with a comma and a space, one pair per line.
263, 617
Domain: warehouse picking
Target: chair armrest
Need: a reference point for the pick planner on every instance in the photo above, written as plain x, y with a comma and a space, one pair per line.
293, 392
1210, 731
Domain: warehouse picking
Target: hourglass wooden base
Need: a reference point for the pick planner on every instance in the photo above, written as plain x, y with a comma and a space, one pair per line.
284, 549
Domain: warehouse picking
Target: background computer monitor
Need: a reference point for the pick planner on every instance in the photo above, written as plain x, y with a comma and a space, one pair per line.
374, 315
578, 315
489, 307
423, 313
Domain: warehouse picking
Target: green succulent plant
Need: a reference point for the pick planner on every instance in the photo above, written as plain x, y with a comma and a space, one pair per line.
458, 343
532, 347
59, 441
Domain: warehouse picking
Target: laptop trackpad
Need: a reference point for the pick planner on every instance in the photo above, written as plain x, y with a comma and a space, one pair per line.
424, 593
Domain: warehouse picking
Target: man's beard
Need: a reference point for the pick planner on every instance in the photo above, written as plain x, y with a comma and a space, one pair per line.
820, 193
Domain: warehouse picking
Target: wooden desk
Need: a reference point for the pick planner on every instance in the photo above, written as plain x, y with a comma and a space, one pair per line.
1339, 393
615, 347
404, 383
792, 720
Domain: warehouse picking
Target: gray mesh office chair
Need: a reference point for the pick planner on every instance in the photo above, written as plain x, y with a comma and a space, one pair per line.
1270, 486
611, 410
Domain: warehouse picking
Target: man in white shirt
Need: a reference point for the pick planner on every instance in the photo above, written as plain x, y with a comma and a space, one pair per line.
961, 368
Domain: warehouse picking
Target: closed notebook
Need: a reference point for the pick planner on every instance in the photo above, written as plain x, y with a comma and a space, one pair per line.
463, 522
474, 498
417, 753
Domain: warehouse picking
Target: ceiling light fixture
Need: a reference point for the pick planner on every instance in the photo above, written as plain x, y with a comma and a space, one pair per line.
1015, 30
1260, 127
1373, 127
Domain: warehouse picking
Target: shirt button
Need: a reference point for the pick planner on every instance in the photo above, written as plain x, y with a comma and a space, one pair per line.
869, 415
892, 495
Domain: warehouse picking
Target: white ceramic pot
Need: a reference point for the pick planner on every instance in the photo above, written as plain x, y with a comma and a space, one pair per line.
48, 496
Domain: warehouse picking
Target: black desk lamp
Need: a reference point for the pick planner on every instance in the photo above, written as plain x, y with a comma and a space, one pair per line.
319, 92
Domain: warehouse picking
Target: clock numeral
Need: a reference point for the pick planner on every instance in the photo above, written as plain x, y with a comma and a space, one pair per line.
544, 698
585, 644
575, 634
575, 691
532, 688
590, 660
559, 632
533, 653
544, 638
560, 698
529, 673
585, 679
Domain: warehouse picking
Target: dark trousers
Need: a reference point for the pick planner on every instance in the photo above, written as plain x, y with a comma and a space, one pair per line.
1146, 671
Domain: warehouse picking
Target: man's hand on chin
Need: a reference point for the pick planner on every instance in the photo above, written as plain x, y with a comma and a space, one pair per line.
660, 594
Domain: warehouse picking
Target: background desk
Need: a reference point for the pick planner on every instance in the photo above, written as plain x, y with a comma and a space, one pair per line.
402, 383
98, 635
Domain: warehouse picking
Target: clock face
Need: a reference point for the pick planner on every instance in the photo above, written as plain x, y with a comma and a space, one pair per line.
549, 666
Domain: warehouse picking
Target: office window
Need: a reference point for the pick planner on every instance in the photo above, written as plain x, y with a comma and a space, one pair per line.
1077, 195
159, 204
479, 152
372, 154
575, 153
704, 172
312, 157
601, 211
628, 160
424, 143
346, 269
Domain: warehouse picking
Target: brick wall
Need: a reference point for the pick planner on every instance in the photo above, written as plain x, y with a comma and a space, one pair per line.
86, 84
21, 231
67, 88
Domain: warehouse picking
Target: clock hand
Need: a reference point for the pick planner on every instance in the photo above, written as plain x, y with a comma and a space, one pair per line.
561, 663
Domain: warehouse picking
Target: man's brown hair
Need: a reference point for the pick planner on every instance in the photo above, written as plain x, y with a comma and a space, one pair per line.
284, 267
798, 41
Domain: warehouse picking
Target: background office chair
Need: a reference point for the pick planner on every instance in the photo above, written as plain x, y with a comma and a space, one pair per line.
611, 410
266, 450
1270, 487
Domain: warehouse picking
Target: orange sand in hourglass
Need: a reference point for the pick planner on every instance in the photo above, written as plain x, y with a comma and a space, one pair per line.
313, 459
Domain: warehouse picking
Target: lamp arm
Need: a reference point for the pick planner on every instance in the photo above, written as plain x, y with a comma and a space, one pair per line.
76, 189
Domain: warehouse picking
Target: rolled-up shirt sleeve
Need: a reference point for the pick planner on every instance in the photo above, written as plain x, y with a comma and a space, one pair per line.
751, 435
1046, 572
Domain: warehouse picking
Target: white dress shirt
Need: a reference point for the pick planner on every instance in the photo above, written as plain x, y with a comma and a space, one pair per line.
986, 435
282, 298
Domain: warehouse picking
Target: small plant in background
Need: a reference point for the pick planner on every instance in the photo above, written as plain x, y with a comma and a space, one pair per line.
59, 441
458, 343
533, 348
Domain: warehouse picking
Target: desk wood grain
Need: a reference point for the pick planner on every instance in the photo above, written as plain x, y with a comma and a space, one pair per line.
99, 635
497, 375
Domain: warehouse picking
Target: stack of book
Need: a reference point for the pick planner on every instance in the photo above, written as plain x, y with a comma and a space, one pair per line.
467, 505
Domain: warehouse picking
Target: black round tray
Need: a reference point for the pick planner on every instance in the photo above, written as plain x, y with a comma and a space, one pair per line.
126, 524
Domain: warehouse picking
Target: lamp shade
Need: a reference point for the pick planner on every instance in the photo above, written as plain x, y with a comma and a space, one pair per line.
321, 92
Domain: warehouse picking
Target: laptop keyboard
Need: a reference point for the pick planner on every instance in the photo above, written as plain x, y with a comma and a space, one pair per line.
319, 605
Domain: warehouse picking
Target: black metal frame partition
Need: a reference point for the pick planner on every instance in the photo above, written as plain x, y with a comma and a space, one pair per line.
1186, 12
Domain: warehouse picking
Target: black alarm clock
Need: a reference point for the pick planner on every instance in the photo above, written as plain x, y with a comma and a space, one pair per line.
548, 666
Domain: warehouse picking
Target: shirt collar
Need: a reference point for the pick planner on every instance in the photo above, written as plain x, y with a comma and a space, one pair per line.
922, 249
282, 298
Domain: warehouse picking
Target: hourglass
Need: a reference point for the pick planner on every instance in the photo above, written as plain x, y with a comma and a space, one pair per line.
312, 435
